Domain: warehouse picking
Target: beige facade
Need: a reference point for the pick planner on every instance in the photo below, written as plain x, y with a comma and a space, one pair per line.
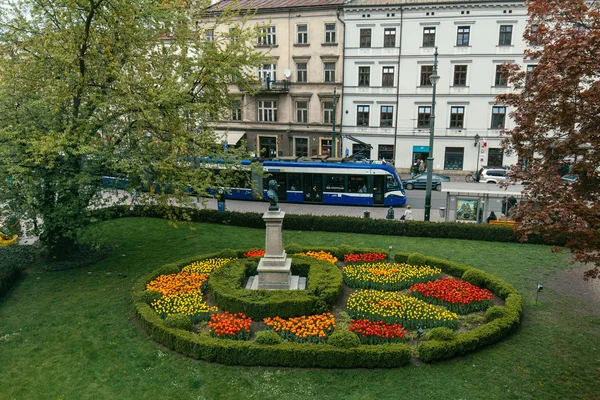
292, 114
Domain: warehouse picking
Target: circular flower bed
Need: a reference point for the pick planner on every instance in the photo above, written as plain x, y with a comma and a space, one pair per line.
385, 320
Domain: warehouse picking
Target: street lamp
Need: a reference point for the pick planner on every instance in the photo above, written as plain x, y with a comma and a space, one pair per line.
434, 78
476, 144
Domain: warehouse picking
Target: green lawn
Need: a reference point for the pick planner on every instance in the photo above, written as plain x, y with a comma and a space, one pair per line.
72, 334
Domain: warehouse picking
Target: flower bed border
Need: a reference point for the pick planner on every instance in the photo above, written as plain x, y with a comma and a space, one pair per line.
327, 356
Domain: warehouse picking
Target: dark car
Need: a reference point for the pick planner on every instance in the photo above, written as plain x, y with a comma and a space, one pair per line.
420, 181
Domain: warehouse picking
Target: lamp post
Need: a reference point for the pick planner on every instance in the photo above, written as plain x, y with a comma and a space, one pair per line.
477, 144
333, 147
434, 78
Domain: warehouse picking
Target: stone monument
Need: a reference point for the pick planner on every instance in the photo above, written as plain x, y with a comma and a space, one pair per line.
274, 269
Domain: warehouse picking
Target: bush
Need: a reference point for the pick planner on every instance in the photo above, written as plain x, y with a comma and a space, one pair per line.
344, 339
441, 333
179, 321
453, 230
149, 296
494, 312
268, 337
417, 259
13, 259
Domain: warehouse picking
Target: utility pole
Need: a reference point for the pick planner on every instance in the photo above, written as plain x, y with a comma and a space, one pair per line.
333, 145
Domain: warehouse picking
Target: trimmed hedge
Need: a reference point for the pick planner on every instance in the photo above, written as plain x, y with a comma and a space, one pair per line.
324, 285
442, 230
13, 259
234, 352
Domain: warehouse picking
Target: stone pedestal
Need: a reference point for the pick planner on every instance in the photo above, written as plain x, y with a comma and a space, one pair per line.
274, 269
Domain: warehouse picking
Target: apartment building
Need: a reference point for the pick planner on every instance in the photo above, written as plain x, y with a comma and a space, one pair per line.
389, 56
294, 112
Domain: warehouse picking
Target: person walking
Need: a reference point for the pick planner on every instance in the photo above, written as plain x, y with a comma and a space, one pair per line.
407, 216
421, 166
390, 213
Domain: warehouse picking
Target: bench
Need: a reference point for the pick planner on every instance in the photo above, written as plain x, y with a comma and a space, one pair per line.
507, 223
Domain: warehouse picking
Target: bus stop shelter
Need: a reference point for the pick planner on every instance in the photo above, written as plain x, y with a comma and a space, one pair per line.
473, 202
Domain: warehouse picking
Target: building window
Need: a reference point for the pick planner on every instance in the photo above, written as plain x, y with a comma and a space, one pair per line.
209, 35
463, 35
498, 117
329, 33
386, 117
302, 34
302, 72
426, 72
501, 76
302, 111
365, 38
453, 157
429, 37
423, 116
267, 146
387, 77
460, 75
326, 147
505, 35
330, 72
267, 111
364, 74
236, 111
328, 112
362, 116
301, 145
361, 151
386, 152
389, 37
457, 116
268, 36
267, 73
495, 157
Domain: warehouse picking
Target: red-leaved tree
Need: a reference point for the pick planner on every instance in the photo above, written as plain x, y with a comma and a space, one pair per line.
557, 114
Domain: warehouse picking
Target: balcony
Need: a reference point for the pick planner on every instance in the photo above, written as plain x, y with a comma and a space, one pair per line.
269, 86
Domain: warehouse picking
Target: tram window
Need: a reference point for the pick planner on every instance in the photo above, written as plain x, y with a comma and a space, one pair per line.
357, 184
335, 183
294, 182
390, 184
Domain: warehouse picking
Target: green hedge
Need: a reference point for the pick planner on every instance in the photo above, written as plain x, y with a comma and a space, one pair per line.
13, 259
324, 285
234, 352
452, 230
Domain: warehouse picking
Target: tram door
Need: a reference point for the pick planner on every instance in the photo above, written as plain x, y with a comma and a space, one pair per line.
378, 189
313, 188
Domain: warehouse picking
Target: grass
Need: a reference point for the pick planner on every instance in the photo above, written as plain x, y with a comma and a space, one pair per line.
72, 335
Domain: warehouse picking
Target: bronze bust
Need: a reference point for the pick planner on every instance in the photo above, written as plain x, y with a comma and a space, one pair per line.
272, 195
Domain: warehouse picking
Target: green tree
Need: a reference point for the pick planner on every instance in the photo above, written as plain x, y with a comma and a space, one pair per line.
122, 86
556, 107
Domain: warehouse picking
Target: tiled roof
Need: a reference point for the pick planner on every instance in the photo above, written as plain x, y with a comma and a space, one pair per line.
274, 4
359, 3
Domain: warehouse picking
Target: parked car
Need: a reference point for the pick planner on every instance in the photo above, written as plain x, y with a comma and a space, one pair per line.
570, 178
420, 181
493, 175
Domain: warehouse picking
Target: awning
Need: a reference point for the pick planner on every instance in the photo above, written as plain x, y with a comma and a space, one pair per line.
233, 137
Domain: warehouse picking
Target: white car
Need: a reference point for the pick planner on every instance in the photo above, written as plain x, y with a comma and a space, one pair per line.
493, 175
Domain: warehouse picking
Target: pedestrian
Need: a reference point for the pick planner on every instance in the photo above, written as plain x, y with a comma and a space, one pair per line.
415, 168
478, 175
421, 166
390, 213
407, 216
492, 217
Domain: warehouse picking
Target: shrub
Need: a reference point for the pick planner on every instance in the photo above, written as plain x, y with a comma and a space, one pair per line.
344, 339
13, 259
150, 296
494, 312
268, 337
82, 255
417, 259
179, 321
441, 333
324, 287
